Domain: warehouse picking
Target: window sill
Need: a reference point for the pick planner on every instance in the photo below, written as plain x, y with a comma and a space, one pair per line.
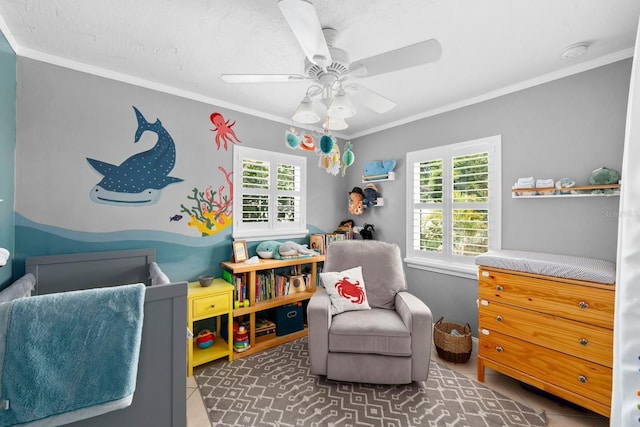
468, 271
256, 235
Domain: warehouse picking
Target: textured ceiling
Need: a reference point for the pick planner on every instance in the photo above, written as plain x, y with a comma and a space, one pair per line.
489, 47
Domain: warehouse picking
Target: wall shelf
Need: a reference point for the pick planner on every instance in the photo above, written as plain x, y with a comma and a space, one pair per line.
578, 191
391, 176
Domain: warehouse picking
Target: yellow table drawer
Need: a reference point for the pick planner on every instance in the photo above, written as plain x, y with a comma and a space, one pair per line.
587, 379
588, 342
210, 306
593, 305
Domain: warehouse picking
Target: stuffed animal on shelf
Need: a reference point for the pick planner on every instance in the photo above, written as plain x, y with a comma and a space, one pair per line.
378, 167
356, 206
367, 232
269, 249
289, 248
371, 195
604, 176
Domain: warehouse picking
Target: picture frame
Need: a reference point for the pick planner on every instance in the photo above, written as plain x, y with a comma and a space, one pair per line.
316, 243
240, 251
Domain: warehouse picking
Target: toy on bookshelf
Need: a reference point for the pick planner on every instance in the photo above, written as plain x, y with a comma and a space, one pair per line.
240, 339
240, 293
205, 338
238, 304
265, 329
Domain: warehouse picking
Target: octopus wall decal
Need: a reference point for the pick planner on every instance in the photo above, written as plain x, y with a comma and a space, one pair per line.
223, 130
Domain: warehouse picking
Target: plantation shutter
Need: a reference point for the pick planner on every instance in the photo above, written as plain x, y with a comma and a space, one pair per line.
272, 191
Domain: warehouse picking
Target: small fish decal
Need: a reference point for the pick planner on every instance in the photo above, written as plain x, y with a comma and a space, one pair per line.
175, 218
139, 180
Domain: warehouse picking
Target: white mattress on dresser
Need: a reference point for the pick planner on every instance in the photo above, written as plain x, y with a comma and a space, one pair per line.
555, 265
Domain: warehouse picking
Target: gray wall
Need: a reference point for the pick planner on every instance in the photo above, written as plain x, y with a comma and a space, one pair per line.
65, 116
7, 153
567, 127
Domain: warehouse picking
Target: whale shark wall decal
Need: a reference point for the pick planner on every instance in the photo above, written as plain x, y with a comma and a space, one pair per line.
139, 180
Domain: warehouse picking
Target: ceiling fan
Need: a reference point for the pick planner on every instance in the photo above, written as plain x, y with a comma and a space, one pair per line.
329, 67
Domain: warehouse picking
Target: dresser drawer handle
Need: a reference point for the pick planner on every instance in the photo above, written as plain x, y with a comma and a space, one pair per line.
583, 305
213, 306
499, 288
584, 342
499, 318
582, 379
499, 349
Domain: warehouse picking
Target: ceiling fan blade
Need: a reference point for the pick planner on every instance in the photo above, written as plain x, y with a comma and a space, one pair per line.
368, 98
261, 78
303, 20
410, 56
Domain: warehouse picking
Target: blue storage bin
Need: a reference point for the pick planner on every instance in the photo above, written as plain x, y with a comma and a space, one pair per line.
289, 319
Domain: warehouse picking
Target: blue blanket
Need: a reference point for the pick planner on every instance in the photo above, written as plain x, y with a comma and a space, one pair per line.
69, 356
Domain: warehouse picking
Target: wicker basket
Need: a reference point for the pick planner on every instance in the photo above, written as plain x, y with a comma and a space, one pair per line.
452, 348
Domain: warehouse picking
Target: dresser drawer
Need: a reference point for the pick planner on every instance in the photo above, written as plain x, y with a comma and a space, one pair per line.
587, 379
592, 305
588, 342
210, 306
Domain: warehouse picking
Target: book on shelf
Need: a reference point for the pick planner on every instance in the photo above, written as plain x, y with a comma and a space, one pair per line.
347, 230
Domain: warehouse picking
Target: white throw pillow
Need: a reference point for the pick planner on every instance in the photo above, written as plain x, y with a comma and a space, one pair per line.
346, 290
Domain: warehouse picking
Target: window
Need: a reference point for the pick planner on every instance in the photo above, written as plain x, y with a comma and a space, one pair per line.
454, 205
269, 193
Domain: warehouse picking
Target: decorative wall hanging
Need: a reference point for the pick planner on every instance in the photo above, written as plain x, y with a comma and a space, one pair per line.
326, 143
139, 180
331, 162
223, 130
347, 157
292, 139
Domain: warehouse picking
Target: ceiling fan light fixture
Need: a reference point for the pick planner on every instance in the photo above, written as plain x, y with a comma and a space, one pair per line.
341, 106
335, 123
305, 112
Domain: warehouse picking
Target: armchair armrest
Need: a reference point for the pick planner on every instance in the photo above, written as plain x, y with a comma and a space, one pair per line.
319, 320
418, 318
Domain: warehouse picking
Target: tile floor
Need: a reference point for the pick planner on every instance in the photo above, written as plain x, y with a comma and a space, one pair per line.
558, 415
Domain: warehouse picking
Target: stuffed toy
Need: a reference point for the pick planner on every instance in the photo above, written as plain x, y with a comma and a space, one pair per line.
356, 206
269, 249
294, 249
604, 176
367, 232
371, 195
379, 167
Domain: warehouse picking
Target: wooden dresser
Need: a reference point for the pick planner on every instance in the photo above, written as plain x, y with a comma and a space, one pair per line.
552, 333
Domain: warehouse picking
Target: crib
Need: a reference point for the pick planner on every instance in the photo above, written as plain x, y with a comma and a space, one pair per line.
159, 398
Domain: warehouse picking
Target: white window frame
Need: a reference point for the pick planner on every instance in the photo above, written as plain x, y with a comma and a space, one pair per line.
446, 262
271, 229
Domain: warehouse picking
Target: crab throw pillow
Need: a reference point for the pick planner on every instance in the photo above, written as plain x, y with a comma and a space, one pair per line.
346, 290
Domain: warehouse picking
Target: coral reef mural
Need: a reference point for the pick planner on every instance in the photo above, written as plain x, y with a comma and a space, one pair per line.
211, 211
139, 180
223, 130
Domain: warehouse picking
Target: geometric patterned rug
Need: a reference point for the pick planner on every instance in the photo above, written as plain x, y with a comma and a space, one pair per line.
275, 388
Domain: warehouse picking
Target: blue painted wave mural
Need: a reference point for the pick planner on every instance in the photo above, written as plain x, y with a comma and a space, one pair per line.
181, 257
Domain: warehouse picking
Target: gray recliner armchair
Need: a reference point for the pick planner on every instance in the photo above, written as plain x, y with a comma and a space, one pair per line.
388, 344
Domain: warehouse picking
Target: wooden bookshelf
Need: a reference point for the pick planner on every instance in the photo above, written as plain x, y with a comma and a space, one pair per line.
248, 273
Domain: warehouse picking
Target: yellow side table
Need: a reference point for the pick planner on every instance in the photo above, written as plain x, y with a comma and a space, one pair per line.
205, 303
